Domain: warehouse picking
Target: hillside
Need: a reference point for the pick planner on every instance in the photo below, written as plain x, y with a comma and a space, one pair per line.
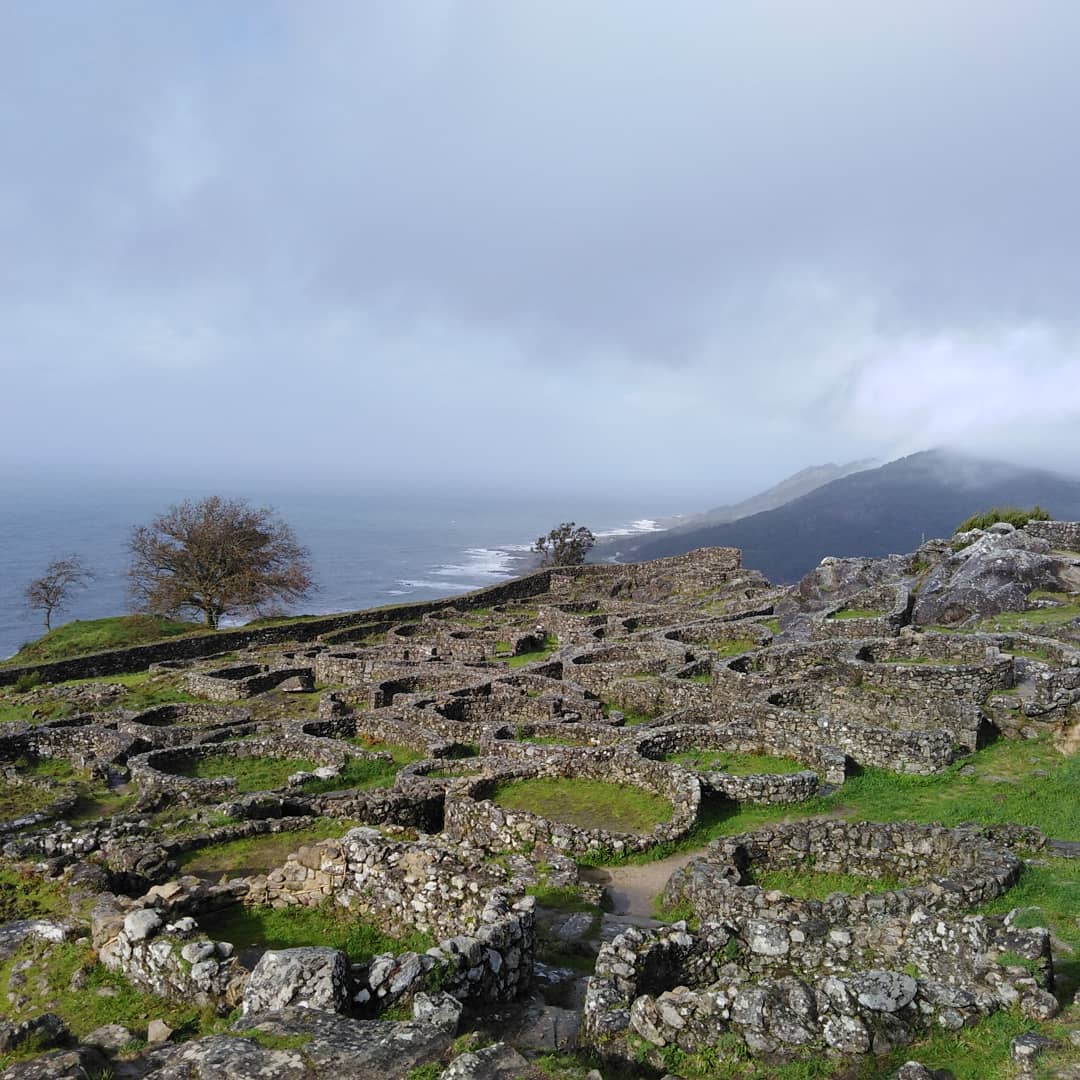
874, 512
626, 548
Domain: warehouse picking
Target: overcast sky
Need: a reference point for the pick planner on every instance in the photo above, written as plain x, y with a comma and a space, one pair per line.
684, 247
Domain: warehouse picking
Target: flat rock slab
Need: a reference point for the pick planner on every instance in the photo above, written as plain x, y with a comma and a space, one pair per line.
329, 1047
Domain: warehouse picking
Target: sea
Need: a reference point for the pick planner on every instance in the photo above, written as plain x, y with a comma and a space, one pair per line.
366, 550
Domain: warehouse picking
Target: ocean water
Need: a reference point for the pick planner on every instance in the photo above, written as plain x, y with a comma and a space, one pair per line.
365, 550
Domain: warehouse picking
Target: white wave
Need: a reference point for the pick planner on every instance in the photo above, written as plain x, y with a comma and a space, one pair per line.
480, 562
634, 528
414, 584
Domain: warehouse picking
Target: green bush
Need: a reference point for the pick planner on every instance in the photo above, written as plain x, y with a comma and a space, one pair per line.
1012, 514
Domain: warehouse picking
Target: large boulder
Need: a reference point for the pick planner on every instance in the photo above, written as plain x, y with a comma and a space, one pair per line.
991, 574
312, 977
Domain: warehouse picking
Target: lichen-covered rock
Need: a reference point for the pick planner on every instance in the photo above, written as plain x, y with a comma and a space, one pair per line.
325, 1046
994, 573
495, 1062
312, 977
884, 991
75, 1064
45, 1031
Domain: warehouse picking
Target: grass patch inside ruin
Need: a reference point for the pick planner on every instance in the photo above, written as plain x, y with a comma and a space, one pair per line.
588, 804
250, 773
735, 763
366, 773
258, 854
811, 884
296, 926
723, 649
551, 644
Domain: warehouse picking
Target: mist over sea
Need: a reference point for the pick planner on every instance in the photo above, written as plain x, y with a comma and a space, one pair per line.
365, 550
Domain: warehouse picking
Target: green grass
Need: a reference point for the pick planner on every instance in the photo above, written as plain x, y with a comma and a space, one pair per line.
257, 854
144, 689
296, 926
250, 773
632, 718
590, 804
813, 884
1011, 621
680, 912
1052, 887
49, 988
1013, 515
362, 773
17, 800
95, 800
82, 637
724, 649
24, 895
1017, 795
560, 897
737, 764
550, 646
402, 754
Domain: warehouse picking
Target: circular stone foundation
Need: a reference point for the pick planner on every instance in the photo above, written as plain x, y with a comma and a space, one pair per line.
176, 770
481, 811
743, 766
925, 866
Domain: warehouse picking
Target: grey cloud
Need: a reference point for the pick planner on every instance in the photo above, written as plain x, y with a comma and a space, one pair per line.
646, 244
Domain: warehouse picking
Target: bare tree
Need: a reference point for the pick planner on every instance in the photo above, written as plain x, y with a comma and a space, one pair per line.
217, 557
52, 591
566, 545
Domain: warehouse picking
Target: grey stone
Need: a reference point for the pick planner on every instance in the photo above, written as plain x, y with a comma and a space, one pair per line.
46, 1031
496, 1062
767, 939
141, 924
884, 991
1025, 1048
847, 1034
915, 1070
312, 977
110, 1037
157, 1031
440, 1009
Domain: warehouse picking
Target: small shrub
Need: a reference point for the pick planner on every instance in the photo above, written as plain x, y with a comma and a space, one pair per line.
27, 682
1011, 514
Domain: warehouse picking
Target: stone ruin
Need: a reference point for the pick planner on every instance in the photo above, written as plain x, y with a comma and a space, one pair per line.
641, 678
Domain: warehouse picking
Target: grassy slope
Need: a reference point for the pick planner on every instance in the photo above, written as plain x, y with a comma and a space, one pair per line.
81, 637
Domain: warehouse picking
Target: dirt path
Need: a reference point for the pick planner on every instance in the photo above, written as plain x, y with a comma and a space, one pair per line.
632, 888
